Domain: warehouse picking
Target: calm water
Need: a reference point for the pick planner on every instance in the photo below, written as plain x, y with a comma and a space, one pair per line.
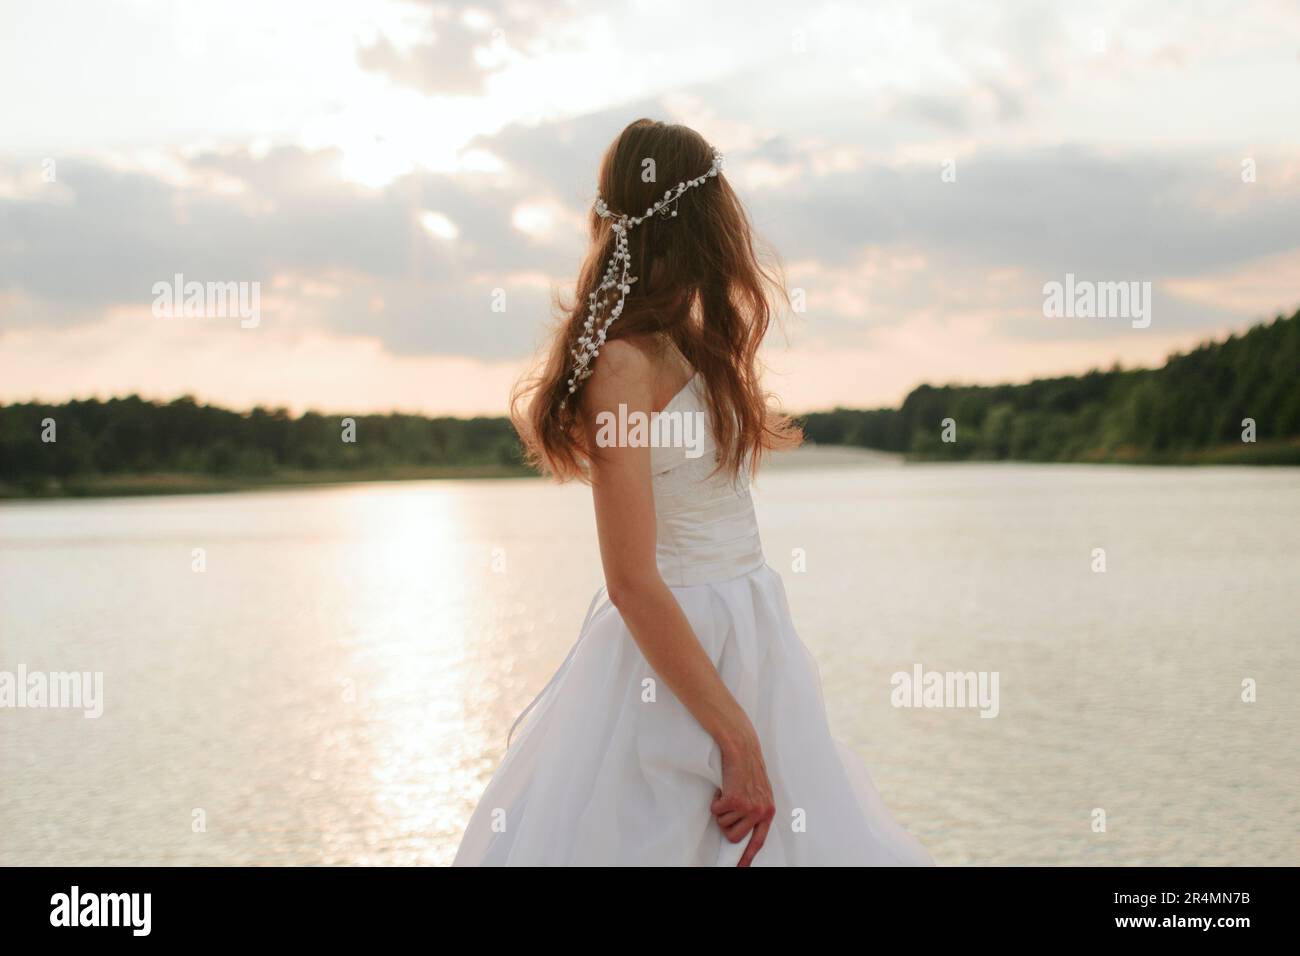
337, 685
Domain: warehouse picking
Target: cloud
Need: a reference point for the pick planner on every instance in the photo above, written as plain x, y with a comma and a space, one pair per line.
1027, 215
1142, 215
457, 48
287, 215
446, 64
873, 243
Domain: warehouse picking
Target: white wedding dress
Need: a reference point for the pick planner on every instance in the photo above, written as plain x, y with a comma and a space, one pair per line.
607, 767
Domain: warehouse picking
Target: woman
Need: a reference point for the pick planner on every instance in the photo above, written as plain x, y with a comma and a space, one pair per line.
686, 726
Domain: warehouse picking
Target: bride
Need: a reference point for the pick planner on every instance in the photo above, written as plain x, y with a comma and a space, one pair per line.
687, 725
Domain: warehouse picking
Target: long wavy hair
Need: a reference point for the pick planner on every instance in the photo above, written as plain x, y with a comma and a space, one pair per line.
700, 285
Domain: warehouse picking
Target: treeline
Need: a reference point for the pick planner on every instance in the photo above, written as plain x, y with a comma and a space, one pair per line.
1191, 409
131, 436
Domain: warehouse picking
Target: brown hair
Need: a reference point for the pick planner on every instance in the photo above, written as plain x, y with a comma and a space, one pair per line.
708, 294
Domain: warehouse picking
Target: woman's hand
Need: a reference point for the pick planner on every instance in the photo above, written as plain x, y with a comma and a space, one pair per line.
744, 805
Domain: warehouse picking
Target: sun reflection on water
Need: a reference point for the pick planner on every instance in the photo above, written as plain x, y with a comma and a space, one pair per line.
337, 686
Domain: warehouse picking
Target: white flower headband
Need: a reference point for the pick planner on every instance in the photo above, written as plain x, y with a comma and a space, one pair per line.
616, 276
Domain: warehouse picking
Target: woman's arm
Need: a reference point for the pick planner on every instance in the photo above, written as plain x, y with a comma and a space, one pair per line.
625, 524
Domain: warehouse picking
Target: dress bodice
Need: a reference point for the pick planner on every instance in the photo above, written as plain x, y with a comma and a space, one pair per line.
706, 530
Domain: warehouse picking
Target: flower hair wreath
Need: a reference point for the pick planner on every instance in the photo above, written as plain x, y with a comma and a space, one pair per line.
617, 277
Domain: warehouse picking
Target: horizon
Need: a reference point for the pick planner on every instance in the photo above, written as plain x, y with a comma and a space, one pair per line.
300, 412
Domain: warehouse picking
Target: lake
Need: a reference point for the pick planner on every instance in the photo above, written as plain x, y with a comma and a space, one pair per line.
327, 675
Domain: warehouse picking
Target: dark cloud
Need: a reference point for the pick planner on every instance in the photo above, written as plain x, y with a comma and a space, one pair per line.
123, 231
1040, 212
1140, 216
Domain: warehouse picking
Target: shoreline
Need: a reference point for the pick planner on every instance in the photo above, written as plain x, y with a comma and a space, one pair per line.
1269, 454
170, 483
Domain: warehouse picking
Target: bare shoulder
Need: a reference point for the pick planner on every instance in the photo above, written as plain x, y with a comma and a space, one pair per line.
624, 358
623, 372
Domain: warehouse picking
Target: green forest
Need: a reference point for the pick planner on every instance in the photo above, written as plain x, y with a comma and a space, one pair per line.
1188, 411
129, 445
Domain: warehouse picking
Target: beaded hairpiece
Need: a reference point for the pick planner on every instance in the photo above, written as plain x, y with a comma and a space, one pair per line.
617, 277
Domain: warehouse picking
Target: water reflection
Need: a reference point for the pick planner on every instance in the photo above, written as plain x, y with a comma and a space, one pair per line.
337, 685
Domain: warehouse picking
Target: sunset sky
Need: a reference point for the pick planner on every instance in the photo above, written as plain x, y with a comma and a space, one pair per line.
381, 168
